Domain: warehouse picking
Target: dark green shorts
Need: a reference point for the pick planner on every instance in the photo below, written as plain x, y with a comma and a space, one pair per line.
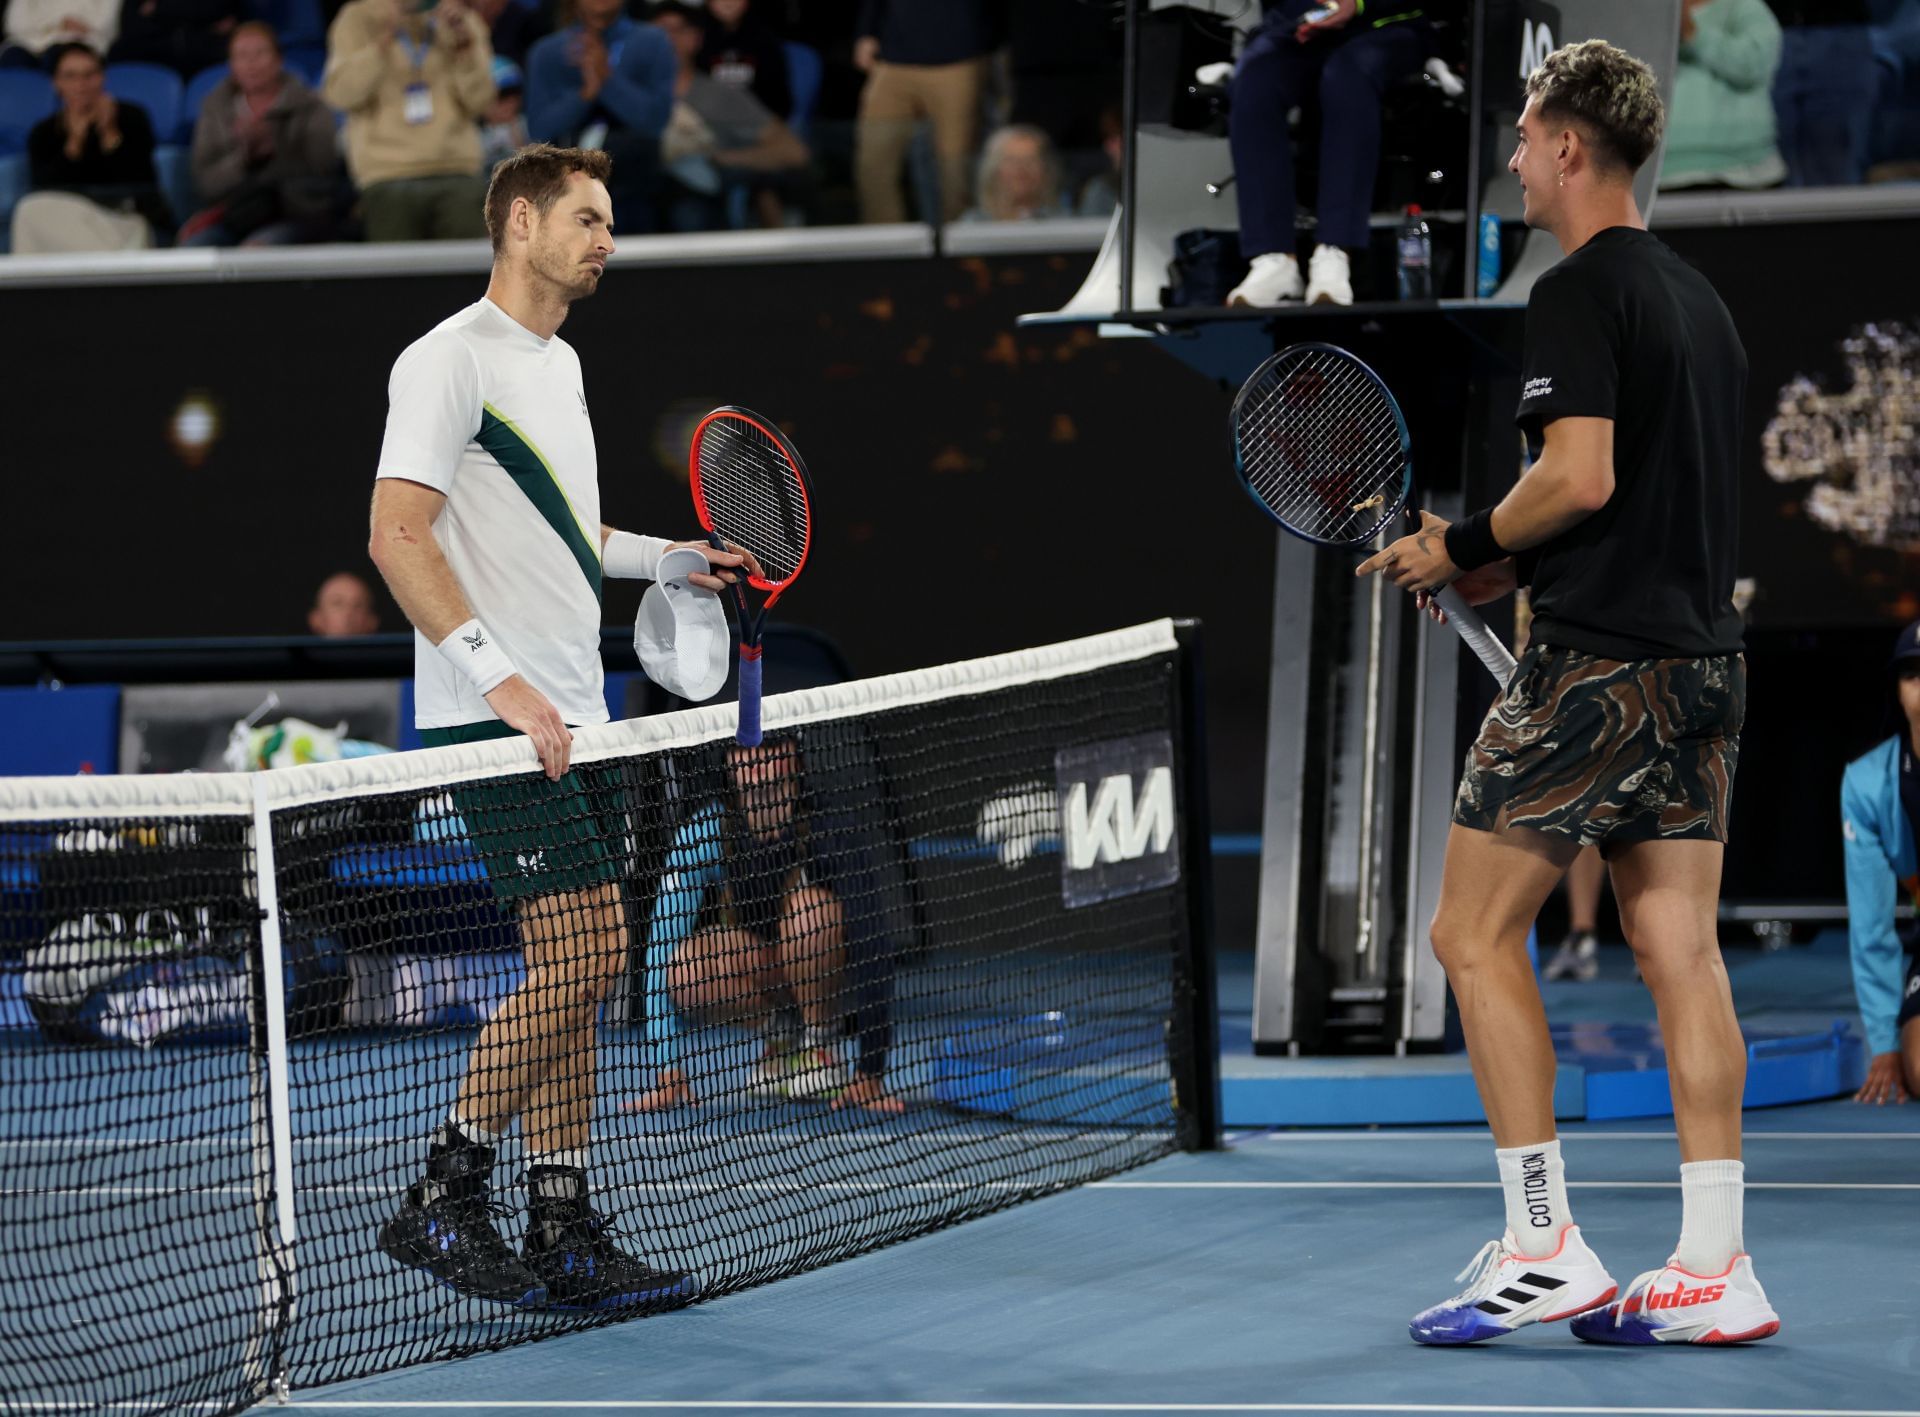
535, 836
1606, 750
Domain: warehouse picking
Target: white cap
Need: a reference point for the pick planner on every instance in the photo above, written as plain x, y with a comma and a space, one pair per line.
681, 632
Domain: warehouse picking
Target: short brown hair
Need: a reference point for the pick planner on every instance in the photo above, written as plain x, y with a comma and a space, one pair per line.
1611, 97
259, 27
538, 172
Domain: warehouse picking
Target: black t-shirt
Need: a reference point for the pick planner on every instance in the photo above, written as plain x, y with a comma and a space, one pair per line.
750, 58
1624, 329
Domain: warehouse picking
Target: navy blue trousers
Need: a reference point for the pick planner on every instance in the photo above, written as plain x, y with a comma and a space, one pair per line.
1346, 72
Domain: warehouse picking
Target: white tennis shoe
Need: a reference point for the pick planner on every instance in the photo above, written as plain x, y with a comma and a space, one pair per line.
1673, 1305
1329, 277
1272, 278
1507, 1290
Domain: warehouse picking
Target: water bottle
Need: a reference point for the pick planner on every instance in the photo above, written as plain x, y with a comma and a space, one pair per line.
1487, 270
1416, 258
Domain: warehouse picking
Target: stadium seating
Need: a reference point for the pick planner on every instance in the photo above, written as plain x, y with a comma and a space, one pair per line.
26, 97
298, 23
309, 61
198, 87
804, 68
158, 90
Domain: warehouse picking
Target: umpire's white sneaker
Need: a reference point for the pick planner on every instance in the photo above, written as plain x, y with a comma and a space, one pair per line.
1507, 1290
1329, 277
1273, 278
1673, 1305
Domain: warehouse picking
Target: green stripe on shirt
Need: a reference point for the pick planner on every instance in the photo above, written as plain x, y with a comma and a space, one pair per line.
534, 475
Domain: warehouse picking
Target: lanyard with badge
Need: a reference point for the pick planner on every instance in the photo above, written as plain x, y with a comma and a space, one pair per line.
417, 106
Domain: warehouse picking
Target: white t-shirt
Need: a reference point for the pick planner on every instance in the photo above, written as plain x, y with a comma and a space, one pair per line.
487, 412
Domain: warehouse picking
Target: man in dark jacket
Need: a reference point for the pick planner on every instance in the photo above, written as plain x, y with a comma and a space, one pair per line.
265, 153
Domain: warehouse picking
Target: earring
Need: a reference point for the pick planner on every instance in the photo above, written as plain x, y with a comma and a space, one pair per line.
1563, 180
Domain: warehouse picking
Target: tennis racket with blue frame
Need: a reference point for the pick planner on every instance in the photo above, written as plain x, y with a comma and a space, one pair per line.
1320, 443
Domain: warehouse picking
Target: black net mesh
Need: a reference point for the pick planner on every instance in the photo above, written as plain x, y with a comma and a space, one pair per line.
133, 1116
707, 1016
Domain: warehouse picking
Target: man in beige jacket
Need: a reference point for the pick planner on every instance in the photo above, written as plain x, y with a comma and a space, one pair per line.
413, 83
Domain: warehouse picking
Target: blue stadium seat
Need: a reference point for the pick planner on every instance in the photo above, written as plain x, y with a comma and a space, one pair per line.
309, 61
173, 166
14, 183
26, 96
803, 76
198, 87
298, 23
155, 89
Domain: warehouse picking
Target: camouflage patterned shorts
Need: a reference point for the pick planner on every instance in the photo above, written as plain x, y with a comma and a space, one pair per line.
1608, 750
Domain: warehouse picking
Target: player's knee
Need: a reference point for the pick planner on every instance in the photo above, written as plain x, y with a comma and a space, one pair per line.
1457, 944
812, 911
1674, 959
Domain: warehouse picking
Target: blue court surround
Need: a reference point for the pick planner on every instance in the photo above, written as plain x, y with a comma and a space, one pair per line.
1276, 1276
1804, 1043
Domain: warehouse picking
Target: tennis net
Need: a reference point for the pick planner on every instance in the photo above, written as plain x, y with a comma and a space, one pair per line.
311, 1074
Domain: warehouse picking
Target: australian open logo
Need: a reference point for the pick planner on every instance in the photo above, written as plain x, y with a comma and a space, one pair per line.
1119, 818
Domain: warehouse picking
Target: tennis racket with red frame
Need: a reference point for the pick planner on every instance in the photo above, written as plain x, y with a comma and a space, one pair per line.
751, 493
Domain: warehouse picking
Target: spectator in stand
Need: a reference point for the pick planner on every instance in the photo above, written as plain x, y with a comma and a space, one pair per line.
606, 81
925, 59
1880, 822
1343, 65
343, 606
503, 131
1100, 194
1720, 126
265, 157
92, 168
1823, 93
742, 53
513, 27
35, 30
721, 138
1019, 178
183, 35
413, 85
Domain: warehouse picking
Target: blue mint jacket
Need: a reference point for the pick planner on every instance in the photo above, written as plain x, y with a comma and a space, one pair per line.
696, 865
1880, 858
638, 93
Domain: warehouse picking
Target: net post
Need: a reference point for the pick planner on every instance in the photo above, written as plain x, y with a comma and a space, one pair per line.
1196, 1009
272, 1120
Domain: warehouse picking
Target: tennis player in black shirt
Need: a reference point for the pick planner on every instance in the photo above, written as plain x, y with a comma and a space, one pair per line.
1621, 725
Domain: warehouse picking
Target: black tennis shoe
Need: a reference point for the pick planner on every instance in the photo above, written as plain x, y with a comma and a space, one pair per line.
571, 1253
455, 1239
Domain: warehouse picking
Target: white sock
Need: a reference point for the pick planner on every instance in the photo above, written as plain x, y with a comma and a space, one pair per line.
574, 1158
472, 1131
1712, 1195
1535, 1181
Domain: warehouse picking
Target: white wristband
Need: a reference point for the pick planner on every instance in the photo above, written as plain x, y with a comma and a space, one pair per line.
471, 650
628, 557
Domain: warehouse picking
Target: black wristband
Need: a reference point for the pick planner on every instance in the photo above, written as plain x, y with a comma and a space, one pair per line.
1470, 543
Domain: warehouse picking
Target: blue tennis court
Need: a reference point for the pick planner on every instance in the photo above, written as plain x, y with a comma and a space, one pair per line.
1276, 1275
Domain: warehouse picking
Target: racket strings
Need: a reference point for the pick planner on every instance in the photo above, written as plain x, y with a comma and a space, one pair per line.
753, 496
1320, 445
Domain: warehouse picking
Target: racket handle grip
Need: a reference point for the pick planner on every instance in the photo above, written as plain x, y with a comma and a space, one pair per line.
1483, 642
749, 732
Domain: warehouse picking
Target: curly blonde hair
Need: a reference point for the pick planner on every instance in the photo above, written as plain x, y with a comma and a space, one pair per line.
1605, 92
